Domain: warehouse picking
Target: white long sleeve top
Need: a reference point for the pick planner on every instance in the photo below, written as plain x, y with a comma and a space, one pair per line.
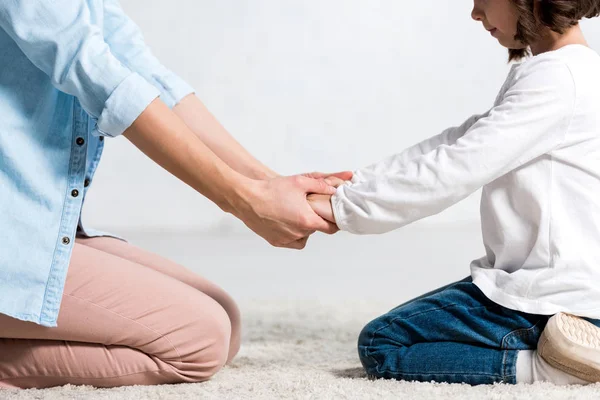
536, 153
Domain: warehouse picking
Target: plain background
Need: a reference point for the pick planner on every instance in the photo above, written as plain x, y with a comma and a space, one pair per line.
305, 85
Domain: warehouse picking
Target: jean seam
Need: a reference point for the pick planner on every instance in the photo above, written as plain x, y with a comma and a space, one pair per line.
504, 374
517, 332
393, 371
501, 376
508, 363
421, 313
406, 318
162, 336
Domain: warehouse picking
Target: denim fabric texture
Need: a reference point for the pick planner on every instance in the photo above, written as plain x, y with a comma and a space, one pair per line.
453, 334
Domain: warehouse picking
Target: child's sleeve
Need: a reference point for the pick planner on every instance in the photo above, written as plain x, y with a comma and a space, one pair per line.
532, 119
389, 164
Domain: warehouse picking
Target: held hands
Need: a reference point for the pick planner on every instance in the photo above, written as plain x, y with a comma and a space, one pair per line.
321, 203
278, 209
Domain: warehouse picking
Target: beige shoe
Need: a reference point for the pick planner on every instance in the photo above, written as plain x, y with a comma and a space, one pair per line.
572, 345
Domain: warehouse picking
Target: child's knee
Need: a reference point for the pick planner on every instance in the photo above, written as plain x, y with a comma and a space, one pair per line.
365, 347
379, 339
373, 341
367, 334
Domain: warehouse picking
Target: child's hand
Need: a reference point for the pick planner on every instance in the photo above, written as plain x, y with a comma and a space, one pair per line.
321, 204
333, 181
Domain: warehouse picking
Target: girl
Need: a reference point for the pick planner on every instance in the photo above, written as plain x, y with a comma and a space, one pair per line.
79, 307
530, 310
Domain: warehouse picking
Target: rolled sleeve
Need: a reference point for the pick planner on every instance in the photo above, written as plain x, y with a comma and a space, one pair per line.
127, 44
175, 88
59, 37
125, 104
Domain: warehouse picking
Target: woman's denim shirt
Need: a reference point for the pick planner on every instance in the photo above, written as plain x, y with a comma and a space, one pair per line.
71, 73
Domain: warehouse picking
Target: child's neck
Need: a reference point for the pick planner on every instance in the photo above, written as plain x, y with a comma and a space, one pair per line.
554, 41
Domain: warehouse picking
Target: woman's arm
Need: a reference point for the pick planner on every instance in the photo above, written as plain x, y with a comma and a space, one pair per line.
276, 209
197, 117
59, 38
127, 43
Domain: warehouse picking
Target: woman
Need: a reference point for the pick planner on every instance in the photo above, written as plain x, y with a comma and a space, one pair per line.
79, 307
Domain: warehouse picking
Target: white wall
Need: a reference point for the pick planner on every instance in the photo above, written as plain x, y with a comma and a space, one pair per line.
305, 85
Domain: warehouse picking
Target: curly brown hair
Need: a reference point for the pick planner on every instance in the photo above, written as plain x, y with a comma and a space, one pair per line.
558, 15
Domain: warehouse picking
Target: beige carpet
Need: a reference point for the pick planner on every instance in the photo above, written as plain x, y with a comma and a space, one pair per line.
306, 351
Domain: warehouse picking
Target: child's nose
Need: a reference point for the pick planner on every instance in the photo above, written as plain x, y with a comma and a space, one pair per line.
476, 14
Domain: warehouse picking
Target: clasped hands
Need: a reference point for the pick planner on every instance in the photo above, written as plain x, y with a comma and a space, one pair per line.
287, 210
321, 203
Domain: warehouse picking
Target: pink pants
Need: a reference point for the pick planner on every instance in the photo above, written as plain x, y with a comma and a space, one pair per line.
128, 317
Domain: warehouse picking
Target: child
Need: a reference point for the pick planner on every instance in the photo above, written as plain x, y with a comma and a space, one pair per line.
530, 311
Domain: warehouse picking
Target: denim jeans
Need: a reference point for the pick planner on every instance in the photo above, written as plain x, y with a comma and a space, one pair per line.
453, 334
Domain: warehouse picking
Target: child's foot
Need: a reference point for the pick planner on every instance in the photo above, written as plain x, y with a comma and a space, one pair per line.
572, 344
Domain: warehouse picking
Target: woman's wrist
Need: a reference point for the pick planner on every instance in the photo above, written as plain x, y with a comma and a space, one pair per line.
258, 171
239, 194
267, 175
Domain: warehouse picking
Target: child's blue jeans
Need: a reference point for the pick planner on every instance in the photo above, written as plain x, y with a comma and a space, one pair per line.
454, 334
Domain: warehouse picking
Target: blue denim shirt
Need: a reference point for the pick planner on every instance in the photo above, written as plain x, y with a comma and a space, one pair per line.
71, 73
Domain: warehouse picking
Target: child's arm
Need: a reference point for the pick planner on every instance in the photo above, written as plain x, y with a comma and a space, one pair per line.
447, 137
531, 119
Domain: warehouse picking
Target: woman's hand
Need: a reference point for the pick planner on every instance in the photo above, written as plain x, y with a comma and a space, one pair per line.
335, 179
278, 210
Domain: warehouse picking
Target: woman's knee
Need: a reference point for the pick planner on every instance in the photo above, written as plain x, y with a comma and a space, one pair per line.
235, 319
232, 310
229, 305
208, 342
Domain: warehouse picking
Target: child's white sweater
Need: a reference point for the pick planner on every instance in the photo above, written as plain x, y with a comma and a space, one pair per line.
536, 154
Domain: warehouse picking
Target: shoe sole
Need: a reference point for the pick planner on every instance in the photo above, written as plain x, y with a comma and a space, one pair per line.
572, 345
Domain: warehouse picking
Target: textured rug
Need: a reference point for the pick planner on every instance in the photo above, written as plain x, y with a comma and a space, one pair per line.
306, 350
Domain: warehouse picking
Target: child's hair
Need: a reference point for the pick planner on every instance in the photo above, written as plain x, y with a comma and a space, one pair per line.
558, 15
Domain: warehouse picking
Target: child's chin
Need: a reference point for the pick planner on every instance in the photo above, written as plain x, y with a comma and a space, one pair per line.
512, 45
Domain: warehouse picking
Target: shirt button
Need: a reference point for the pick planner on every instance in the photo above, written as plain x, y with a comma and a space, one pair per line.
86, 183
80, 141
66, 240
101, 138
75, 193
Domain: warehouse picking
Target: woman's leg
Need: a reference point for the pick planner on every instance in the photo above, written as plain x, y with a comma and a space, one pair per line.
170, 268
454, 334
120, 323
